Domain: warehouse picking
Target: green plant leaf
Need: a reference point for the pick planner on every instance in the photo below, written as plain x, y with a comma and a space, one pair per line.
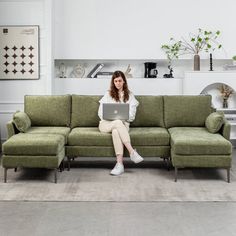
199, 40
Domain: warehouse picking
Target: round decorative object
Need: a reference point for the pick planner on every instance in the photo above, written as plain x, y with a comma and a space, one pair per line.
78, 71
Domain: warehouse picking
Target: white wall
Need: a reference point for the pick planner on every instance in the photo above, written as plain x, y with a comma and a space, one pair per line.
25, 12
92, 29
131, 29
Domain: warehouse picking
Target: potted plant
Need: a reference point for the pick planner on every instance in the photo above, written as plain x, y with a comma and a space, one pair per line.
225, 92
172, 52
234, 60
203, 40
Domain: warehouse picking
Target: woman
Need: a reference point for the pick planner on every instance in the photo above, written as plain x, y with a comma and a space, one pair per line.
119, 93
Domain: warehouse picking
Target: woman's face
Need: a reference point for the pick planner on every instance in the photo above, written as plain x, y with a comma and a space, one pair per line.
119, 82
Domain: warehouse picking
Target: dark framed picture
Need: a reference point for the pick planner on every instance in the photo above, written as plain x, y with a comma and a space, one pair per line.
19, 48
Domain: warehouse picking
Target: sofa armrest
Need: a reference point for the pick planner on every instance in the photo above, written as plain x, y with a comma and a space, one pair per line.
225, 129
11, 129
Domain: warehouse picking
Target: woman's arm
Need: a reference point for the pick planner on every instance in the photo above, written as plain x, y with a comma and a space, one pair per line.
133, 103
104, 99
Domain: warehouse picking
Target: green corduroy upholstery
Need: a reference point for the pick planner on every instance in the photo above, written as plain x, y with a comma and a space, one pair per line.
33, 161
211, 161
108, 151
48, 110
34, 144
145, 136
149, 112
198, 141
186, 110
50, 130
225, 129
214, 122
21, 121
85, 111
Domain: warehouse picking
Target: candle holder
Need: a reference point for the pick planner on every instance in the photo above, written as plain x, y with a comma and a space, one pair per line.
211, 62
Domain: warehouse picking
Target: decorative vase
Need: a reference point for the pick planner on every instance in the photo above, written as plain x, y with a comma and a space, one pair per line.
225, 103
196, 65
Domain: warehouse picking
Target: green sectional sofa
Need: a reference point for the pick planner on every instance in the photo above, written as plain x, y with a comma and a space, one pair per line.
170, 127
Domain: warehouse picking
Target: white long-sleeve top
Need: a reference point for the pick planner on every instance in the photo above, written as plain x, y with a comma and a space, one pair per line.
133, 103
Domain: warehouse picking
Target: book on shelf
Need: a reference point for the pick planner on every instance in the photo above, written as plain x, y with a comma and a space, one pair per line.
104, 74
229, 67
95, 70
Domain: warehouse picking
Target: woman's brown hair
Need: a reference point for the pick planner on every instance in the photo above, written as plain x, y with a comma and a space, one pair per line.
114, 91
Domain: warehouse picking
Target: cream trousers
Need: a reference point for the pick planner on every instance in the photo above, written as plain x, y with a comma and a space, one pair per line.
120, 133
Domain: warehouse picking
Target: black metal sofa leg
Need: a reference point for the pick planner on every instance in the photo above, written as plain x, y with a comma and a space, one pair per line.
68, 163
62, 166
5, 175
55, 175
176, 173
228, 175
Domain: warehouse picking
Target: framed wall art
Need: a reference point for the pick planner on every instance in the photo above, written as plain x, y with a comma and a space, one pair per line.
19, 47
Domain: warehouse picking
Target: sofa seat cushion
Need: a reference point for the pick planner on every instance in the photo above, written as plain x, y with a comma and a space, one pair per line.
34, 144
147, 136
50, 130
89, 136
198, 141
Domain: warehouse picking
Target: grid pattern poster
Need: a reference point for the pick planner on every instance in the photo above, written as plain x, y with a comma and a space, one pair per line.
19, 47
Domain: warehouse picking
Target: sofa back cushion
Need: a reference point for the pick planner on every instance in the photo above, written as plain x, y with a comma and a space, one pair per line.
85, 111
149, 112
48, 110
180, 111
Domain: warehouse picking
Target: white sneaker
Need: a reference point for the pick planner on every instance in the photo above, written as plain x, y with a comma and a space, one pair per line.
118, 169
135, 157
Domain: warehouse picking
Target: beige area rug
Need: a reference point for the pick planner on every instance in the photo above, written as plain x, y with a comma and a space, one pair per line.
90, 181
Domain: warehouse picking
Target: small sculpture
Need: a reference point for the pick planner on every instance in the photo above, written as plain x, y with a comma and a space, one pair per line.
62, 70
127, 72
170, 75
78, 71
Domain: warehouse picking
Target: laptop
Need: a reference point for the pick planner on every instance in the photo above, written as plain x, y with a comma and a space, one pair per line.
115, 111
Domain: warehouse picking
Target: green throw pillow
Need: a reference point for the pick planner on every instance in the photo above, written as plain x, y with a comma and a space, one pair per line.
21, 121
214, 122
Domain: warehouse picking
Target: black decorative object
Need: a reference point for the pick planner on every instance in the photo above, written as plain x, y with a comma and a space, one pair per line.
150, 70
211, 64
170, 75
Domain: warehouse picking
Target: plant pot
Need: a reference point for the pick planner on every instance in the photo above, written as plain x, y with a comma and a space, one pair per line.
196, 61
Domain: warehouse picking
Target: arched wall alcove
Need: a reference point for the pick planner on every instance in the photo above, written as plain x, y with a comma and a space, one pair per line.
214, 90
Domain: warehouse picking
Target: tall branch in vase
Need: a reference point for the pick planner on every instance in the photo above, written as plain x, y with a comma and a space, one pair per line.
203, 40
